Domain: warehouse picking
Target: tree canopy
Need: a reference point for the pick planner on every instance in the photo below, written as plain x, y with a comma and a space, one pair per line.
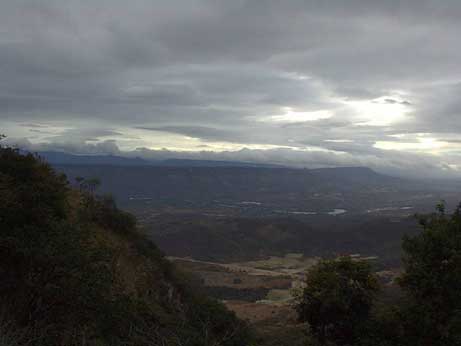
337, 299
432, 280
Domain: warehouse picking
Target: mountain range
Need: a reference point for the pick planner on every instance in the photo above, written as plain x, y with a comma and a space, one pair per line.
62, 158
249, 189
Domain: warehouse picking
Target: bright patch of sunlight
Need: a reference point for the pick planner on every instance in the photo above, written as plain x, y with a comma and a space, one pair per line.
382, 111
422, 144
160, 140
339, 140
291, 116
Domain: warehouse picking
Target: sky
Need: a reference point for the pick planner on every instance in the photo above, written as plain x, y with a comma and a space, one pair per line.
303, 83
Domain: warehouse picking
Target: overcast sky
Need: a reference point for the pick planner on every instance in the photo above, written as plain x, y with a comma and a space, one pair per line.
309, 83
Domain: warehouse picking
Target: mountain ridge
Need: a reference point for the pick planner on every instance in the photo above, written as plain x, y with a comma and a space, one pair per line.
63, 158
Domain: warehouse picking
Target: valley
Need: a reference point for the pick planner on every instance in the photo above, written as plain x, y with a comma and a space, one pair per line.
263, 191
260, 292
263, 292
248, 235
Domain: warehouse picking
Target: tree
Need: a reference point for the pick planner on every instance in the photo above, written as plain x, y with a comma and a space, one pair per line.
80, 181
337, 299
92, 184
89, 185
432, 280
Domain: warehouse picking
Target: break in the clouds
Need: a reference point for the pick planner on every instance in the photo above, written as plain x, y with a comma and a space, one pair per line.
306, 83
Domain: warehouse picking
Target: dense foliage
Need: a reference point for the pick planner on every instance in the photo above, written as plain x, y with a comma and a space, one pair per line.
337, 299
341, 306
432, 281
74, 270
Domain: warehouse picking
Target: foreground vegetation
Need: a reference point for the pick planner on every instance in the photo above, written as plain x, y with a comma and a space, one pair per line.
342, 306
75, 271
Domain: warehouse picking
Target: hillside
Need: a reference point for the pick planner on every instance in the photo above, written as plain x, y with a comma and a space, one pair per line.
75, 271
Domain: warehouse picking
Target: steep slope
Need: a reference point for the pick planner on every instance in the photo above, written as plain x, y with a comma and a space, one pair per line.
75, 270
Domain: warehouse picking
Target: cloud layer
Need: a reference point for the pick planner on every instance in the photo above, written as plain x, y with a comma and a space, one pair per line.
304, 83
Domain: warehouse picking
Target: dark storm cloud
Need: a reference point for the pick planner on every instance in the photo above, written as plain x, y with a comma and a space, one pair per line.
242, 72
393, 102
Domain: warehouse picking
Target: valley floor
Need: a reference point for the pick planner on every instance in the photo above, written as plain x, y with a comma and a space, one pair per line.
262, 292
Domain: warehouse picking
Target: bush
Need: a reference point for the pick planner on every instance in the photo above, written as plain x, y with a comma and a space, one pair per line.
432, 280
337, 300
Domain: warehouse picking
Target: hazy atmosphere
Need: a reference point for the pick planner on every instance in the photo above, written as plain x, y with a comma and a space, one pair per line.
297, 83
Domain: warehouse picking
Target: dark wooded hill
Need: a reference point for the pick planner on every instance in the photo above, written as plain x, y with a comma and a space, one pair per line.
75, 270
